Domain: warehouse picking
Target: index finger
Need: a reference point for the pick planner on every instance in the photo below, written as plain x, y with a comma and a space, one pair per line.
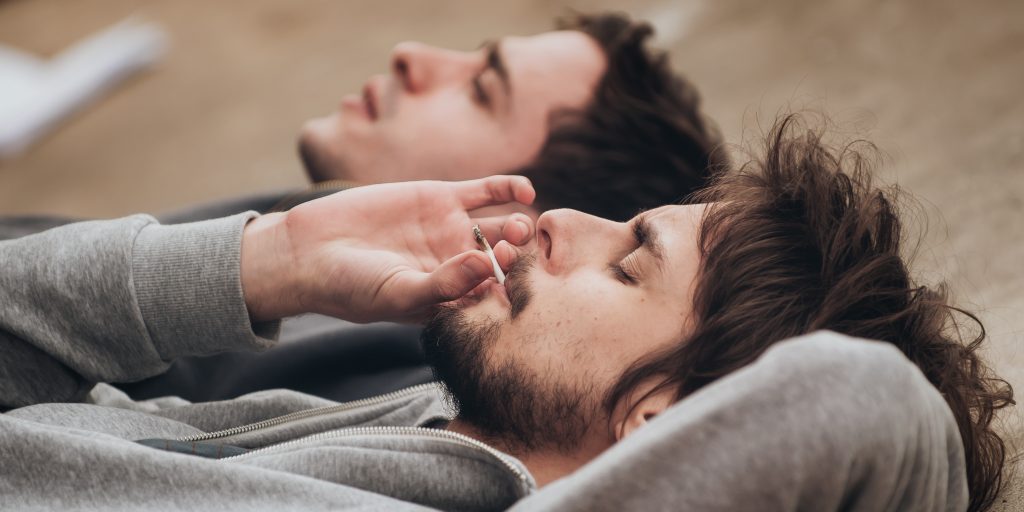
507, 254
494, 190
517, 228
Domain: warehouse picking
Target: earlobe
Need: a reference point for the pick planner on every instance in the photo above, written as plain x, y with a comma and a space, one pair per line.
646, 403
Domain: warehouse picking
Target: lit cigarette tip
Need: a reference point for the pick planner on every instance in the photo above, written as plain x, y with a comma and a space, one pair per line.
479, 237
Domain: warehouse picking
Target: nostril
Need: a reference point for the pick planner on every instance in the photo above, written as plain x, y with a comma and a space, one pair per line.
401, 71
545, 243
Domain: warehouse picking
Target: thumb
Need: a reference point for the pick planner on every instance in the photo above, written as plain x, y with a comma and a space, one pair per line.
453, 279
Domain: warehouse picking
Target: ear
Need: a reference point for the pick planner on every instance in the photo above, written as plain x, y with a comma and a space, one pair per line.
641, 406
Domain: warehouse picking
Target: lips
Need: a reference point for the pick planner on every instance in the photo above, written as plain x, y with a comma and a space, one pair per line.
500, 291
483, 290
491, 287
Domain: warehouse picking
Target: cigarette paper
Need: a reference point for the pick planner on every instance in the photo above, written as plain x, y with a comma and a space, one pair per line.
498, 274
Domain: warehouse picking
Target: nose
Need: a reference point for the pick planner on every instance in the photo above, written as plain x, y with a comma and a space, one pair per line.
569, 239
420, 67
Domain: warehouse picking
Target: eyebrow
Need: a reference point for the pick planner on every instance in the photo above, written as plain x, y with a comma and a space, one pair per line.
647, 237
496, 62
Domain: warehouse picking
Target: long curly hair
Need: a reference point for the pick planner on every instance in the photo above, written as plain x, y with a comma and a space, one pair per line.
801, 240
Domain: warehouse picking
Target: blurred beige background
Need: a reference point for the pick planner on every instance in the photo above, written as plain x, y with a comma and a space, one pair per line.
936, 84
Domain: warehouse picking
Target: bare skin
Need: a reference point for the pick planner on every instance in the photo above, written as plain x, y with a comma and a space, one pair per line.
454, 115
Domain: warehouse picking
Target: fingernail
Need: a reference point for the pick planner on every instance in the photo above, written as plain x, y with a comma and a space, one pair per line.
475, 269
524, 230
504, 251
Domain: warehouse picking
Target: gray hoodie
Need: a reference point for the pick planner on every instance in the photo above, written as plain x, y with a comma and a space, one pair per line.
821, 422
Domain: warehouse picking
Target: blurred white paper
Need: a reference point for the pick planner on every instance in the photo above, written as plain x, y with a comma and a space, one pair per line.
35, 94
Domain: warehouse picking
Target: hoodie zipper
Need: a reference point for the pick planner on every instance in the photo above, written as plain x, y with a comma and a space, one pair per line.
309, 413
445, 435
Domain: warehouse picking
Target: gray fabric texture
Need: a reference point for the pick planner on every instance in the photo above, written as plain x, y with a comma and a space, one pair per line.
117, 300
822, 422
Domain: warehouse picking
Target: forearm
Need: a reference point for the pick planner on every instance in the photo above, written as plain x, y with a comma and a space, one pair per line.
118, 300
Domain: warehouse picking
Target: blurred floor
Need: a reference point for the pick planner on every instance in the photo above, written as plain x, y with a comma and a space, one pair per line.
935, 83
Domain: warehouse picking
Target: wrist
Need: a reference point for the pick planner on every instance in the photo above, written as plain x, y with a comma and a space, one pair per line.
267, 270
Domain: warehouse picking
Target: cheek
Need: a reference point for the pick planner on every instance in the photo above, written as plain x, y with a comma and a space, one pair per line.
527, 130
591, 330
323, 134
457, 140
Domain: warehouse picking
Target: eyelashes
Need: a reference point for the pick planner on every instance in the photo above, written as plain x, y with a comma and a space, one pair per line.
624, 271
479, 93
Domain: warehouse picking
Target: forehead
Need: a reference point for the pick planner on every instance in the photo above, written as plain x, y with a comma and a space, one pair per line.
554, 68
676, 223
676, 228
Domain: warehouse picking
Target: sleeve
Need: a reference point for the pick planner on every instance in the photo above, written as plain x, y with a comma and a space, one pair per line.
820, 422
118, 300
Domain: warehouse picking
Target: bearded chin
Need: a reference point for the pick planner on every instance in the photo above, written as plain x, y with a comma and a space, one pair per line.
507, 403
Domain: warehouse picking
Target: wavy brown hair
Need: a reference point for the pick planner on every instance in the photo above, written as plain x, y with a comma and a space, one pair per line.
801, 240
642, 140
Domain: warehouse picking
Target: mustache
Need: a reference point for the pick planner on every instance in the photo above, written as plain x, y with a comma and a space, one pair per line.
517, 284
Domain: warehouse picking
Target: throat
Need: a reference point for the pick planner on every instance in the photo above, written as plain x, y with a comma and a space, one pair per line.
544, 464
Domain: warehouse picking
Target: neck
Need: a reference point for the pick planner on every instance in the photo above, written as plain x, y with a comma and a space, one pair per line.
545, 465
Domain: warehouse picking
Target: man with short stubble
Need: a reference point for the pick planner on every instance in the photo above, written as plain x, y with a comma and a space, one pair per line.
761, 348
548, 107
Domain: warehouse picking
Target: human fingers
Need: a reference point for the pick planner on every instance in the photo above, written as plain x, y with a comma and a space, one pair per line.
507, 254
454, 278
516, 228
494, 190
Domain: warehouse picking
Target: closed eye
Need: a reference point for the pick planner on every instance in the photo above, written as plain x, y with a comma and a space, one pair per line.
624, 271
479, 93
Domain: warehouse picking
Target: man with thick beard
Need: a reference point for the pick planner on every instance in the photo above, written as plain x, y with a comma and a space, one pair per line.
595, 118
639, 365
605, 316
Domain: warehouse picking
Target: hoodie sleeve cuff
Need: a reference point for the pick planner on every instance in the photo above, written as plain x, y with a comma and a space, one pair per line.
187, 280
